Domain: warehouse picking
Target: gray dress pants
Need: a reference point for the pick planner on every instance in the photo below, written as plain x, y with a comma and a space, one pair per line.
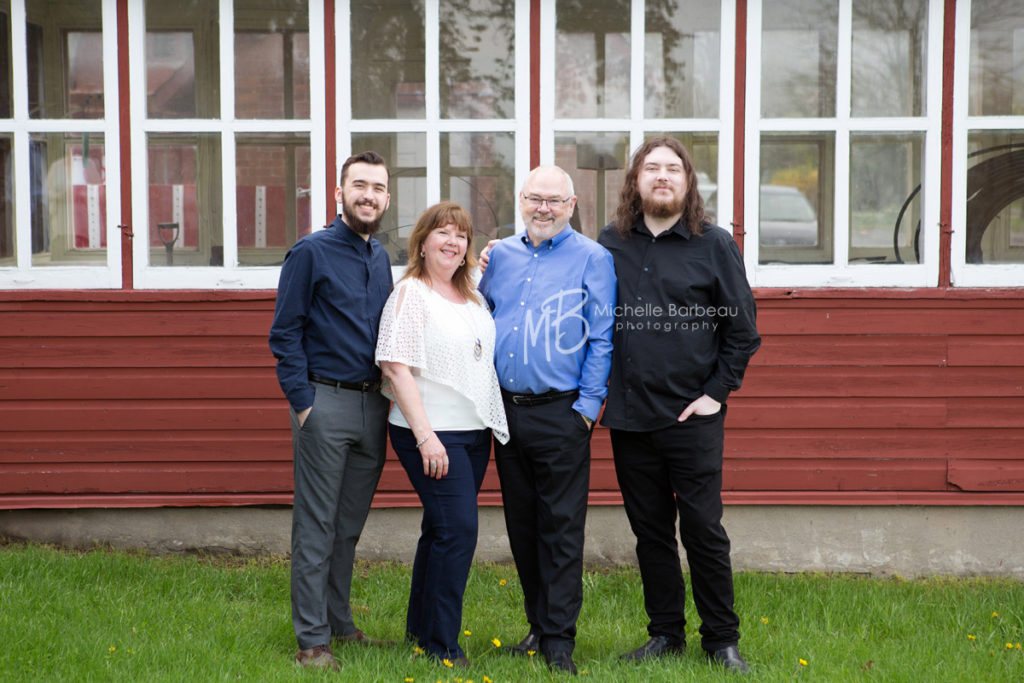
339, 454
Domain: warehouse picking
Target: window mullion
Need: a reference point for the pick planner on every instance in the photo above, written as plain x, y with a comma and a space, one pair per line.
637, 84
317, 106
752, 145
431, 93
140, 126
843, 123
112, 138
22, 173
229, 203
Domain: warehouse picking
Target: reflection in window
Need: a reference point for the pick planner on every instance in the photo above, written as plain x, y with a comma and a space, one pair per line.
682, 43
271, 59
272, 196
796, 198
886, 197
477, 59
182, 60
7, 238
592, 59
406, 157
478, 172
798, 58
185, 216
388, 43
890, 42
995, 197
65, 59
67, 178
997, 59
5, 59
597, 163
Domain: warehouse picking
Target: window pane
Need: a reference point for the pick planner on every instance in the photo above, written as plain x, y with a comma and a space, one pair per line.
65, 62
477, 59
69, 203
997, 58
5, 59
7, 235
592, 59
388, 43
478, 172
885, 197
798, 58
682, 48
597, 163
995, 197
271, 59
272, 176
182, 59
796, 198
406, 156
185, 216
890, 42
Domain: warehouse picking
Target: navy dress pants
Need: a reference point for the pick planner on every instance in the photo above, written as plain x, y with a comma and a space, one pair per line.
448, 535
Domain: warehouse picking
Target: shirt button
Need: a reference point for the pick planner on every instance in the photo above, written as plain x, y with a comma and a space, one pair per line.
511, 355
529, 279
639, 298
535, 256
522, 303
645, 269
516, 328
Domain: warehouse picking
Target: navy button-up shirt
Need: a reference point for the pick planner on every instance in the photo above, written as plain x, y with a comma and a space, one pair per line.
329, 299
553, 311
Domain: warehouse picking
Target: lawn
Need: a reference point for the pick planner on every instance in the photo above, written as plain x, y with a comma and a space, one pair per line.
105, 615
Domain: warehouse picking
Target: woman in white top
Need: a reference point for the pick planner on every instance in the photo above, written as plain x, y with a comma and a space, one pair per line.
436, 351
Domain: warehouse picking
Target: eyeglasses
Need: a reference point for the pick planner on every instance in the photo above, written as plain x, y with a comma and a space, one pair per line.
537, 202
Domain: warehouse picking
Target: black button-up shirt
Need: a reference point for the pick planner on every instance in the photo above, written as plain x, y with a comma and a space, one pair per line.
330, 296
684, 324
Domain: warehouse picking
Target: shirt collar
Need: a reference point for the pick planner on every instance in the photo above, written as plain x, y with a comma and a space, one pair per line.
678, 228
552, 242
351, 237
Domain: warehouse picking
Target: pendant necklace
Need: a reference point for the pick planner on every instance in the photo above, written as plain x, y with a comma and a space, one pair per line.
478, 347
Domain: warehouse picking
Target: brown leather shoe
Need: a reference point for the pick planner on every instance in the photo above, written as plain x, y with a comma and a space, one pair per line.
319, 657
361, 638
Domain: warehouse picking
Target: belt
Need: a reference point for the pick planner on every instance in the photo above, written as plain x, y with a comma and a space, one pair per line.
354, 386
538, 399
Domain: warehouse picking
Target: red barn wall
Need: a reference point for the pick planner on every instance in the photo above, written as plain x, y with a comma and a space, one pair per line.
123, 399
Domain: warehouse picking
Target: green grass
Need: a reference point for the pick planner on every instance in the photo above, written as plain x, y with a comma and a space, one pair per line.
104, 615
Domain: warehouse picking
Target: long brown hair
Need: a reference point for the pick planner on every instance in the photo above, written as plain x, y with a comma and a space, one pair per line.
630, 207
437, 216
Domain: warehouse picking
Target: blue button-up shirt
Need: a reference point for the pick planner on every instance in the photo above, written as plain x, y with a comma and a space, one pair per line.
553, 307
330, 296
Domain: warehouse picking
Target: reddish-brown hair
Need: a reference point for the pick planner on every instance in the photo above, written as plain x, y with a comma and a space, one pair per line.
437, 216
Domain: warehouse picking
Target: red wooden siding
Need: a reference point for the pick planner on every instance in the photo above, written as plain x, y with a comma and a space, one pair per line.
169, 398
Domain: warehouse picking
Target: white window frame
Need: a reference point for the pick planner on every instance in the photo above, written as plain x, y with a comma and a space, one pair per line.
637, 125
841, 273
24, 275
972, 274
230, 275
432, 125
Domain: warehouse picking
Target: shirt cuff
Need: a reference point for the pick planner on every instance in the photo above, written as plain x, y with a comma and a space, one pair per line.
588, 406
716, 390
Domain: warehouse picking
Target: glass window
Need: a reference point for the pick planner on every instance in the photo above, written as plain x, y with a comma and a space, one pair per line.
271, 59
272, 178
592, 56
798, 58
68, 199
5, 60
65, 59
995, 197
185, 216
7, 234
997, 59
388, 57
182, 59
682, 46
886, 197
477, 59
597, 163
478, 172
796, 198
890, 44
406, 156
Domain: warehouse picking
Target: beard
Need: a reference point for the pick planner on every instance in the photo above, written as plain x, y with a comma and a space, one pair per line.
358, 225
663, 209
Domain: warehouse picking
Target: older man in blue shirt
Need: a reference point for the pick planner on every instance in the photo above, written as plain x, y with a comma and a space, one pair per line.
329, 300
552, 292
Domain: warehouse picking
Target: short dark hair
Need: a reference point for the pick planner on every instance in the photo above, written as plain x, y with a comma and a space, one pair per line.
367, 157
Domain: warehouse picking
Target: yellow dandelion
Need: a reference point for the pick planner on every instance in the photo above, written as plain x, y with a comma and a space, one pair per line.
531, 652
995, 615
111, 649
448, 663
1009, 646
970, 637
417, 649
502, 582
1017, 646
468, 632
764, 620
497, 643
487, 680
409, 679
803, 662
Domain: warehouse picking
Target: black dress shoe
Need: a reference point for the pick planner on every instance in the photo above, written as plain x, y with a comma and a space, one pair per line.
561, 661
730, 659
531, 643
657, 646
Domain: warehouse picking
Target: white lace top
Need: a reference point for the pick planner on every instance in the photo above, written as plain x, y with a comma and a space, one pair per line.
436, 338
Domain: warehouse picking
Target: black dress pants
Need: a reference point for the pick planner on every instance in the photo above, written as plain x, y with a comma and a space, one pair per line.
662, 474
544, 471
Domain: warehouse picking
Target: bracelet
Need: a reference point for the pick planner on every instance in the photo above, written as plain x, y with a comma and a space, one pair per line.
423, 440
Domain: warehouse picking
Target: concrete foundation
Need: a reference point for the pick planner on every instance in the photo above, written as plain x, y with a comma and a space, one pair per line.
909, 541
